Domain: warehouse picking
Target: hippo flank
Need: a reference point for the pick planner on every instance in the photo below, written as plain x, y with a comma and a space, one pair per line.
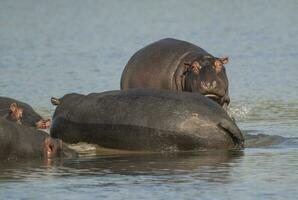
145, 120
177, 65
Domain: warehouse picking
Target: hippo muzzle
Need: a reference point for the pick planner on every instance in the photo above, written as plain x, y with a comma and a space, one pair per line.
54, 148
219, 95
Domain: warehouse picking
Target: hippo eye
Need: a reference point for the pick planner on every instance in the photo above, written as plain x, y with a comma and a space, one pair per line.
196, 66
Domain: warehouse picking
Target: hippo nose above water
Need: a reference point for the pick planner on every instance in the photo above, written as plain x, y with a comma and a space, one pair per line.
208, 86
213, 90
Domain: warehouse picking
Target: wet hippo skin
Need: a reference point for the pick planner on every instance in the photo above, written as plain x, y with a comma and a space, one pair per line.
145, 119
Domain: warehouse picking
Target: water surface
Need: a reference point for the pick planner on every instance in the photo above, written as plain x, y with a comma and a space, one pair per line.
50, 48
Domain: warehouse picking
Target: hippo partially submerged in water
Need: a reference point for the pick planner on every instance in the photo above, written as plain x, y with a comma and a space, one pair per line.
180, 66
22, 142
14, 110
145, 120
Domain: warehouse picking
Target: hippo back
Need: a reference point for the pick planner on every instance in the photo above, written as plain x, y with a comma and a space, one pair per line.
159, 64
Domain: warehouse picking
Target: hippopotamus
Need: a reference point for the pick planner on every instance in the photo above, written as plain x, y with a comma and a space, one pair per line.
23, 142
177, 65
21, 113
145, 120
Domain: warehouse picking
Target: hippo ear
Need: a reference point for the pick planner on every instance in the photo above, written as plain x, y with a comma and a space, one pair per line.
218, 64
16, 111
13, 107
224, 60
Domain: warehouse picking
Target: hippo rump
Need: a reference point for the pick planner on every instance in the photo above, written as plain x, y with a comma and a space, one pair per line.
23, 142
145, 120
21, 112
180, 66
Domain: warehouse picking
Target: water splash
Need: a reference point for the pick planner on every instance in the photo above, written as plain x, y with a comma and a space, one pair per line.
267, 116
240, 110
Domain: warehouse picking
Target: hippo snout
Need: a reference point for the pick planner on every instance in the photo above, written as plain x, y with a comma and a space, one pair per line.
208, 85
212, 87
214, 91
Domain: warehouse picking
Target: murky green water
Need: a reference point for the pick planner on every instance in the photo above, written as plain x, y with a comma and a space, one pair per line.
49, 48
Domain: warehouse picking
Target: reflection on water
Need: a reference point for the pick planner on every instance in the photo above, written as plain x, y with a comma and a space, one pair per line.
248, 174
115, 173
136, 164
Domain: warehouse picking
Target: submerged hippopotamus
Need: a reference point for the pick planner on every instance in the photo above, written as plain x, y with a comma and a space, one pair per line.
145, 120
21, 142
22, 113
178, 65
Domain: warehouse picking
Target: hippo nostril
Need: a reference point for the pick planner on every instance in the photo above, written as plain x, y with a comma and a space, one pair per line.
204, 85
214, 84
208, 86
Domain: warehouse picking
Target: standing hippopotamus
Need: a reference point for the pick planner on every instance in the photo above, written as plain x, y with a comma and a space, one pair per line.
22, 113
145, 120
178, 65
20, 142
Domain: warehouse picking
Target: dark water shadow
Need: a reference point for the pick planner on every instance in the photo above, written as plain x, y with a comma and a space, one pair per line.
258, 140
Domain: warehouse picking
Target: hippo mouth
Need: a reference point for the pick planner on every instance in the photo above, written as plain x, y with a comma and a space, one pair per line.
218, 99
214, 97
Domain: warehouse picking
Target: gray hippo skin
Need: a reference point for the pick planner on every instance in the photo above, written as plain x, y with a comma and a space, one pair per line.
14, 110
177, 65
23, 142
145, 120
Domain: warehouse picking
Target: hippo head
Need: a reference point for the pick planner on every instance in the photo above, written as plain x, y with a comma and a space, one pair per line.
207, 75
56, 148
17, 114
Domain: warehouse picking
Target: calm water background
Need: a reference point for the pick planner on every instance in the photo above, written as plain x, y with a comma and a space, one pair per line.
50, 48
